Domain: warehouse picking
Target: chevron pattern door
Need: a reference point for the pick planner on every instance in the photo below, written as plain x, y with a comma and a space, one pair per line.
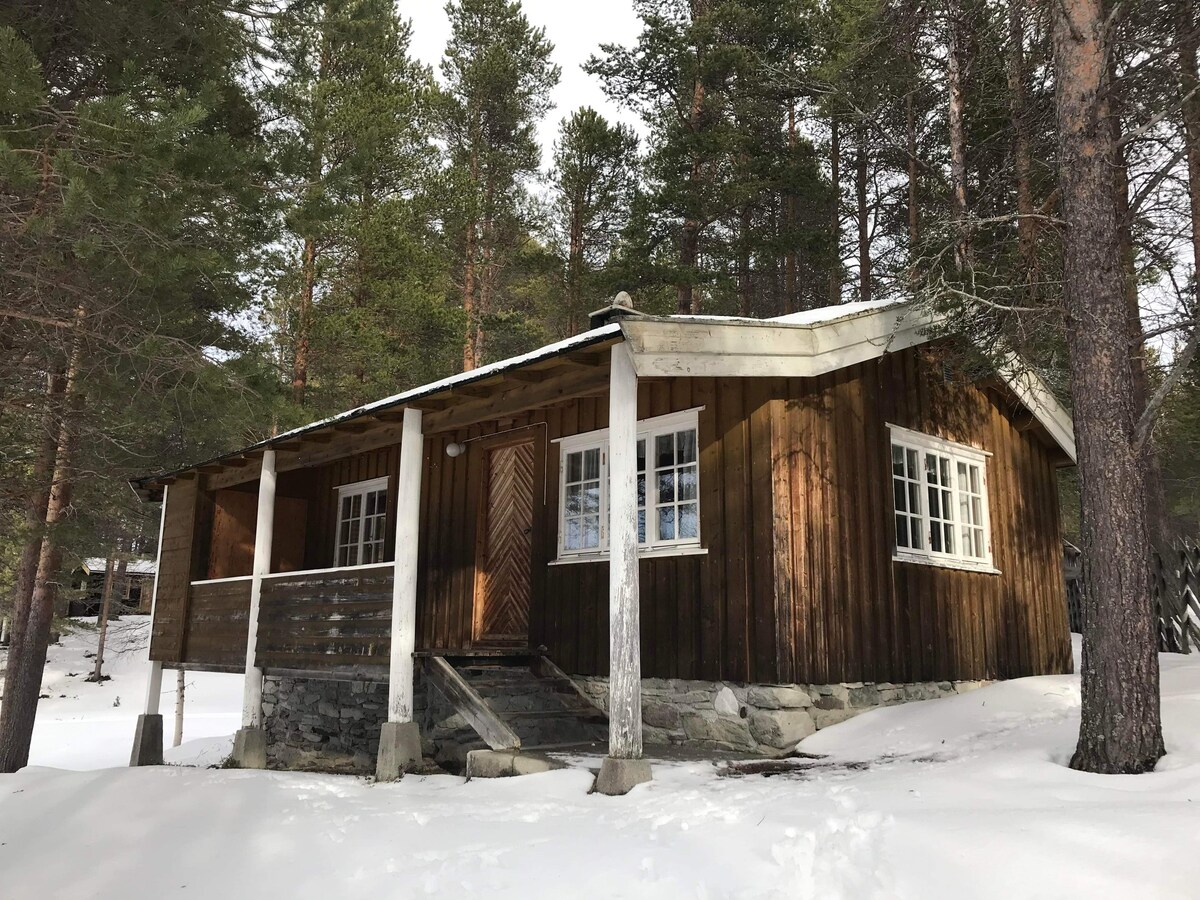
504, 555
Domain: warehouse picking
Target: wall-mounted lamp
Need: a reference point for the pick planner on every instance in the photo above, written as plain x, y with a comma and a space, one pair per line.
453, 450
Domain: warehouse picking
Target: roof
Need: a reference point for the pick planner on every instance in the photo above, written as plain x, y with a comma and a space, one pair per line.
798, 345
132, 567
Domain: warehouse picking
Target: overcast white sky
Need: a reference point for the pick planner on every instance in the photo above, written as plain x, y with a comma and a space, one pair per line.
577, 28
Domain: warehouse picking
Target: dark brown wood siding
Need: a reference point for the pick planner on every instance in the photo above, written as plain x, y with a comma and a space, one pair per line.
798, 582
859, 616
217, 624
174, 572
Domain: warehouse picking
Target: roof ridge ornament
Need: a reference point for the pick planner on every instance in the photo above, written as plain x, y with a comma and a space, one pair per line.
621, 307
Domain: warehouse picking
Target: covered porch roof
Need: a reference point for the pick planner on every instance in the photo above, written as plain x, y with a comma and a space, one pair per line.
803, 344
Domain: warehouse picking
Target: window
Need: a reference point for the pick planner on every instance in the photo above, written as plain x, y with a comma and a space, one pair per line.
668, 485
362, 523
939, 495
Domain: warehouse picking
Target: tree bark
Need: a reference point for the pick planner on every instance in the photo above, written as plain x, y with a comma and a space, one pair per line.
105, 606
745, 285
864, 217
180, 687
789, 219
1121, 730
835, 216
1022, 153
686, 299
957, 63
470, 248
308, 271
27, 654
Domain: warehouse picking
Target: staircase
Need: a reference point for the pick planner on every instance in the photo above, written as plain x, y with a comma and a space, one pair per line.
513, 703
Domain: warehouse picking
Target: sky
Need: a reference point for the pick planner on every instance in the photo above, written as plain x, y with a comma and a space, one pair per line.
577, 29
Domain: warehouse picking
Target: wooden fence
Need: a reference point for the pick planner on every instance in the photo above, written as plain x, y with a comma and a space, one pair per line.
1176, 592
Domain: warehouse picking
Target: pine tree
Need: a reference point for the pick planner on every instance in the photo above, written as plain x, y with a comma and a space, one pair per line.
498, 78
593, 184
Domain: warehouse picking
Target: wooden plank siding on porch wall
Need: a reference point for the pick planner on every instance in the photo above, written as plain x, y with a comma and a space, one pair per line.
798, 583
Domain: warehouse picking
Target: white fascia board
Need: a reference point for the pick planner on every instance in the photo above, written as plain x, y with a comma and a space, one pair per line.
766, 349
1036, 395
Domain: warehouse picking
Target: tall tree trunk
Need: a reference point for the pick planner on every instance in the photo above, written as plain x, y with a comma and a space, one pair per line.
1022, 152
1121, 730
308, 286
957, 64
105, 607
470, 248
745, 283
835, 214
575, 268
1189, 42
686, 298
34, 525
864, 213
789, 219
27, 654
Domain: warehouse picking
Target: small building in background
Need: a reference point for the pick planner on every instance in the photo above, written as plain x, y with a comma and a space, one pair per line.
133, 592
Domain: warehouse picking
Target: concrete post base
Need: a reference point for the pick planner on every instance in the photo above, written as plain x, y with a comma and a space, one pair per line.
147, 741
399, 750
620, 776
250, 748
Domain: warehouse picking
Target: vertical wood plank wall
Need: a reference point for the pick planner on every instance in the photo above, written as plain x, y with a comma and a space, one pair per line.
798, 583
174, 572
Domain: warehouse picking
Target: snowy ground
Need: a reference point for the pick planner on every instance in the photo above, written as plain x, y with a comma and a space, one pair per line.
966, 796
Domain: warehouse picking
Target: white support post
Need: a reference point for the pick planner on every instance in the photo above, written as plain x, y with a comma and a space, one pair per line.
147, 739
264, 528
400, 739
404, 578
624, 766
250, 743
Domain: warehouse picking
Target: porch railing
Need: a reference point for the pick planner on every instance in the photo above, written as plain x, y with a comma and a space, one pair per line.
326, 619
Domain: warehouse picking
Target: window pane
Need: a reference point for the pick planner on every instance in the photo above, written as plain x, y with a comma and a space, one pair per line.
963, 481
912, 464
944, 466
689, 520
897, 460
935, 539
979, 542
949, 532
352, 556
354, 526
914, 497
976, 511
641, 526
666, 487
935, 511
368, 530
641, 455
591, 531
345, 507
342, 554
687, 483
641, 490
899, 494
574, 500
901, 531
664, 448
591, 497
591, 464
571, 538
947, 506
685, 446
666, 523
916, 535
356, 505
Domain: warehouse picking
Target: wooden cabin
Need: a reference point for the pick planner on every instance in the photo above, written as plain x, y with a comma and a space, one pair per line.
766, 526
131, 589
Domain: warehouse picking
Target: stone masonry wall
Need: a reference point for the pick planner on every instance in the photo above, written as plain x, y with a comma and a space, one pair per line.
326, 725
759, 718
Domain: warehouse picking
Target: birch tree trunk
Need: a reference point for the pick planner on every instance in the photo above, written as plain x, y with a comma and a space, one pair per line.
1121, 729
180, 687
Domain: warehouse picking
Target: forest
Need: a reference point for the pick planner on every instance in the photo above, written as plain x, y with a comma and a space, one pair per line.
221, 220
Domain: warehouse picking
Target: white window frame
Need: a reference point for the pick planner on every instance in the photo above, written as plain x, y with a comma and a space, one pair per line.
648, 430
363, 488
922, 444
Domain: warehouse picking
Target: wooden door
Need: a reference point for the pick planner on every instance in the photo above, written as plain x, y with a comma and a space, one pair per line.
504, 550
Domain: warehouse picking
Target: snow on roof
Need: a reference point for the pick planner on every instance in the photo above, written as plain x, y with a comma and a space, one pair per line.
133, 567
833, 313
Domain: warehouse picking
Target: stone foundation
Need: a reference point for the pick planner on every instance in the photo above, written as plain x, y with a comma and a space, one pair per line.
333, 726
316, 724
759, 718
